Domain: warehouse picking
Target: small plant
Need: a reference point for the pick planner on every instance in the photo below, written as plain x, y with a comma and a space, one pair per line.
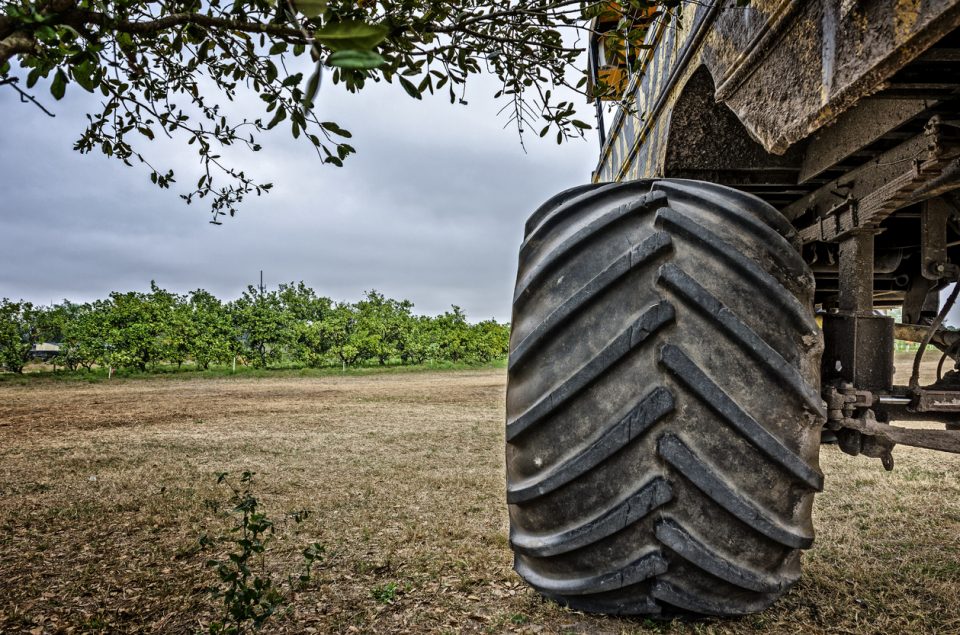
249, 592
385, 594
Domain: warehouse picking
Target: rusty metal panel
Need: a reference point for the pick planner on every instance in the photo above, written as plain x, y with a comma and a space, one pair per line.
858, 348
854, 129
824, 57
786, 68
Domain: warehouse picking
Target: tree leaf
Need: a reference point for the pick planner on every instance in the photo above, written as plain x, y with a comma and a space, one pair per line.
409, 87
356, 60
351, 35
310, 8
335, 129
59, 85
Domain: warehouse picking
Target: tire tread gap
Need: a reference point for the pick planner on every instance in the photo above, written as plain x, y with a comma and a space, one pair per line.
709, 481
651, 563
647, 323
630, 260
702, 301
671, 593
682, 225
675, 536
638, 505
555, 256
650, 409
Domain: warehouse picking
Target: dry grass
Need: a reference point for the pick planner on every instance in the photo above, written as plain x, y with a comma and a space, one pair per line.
105, 489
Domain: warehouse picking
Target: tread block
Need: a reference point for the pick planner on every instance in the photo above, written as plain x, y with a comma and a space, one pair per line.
649, 497
691, 376
641, 417
647, 323
712, 483
682, 542
646, 566
634, 258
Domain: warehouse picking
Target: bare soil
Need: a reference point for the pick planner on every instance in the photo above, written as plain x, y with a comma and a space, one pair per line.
106, 488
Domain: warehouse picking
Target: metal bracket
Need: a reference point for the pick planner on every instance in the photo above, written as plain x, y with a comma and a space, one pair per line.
933, 240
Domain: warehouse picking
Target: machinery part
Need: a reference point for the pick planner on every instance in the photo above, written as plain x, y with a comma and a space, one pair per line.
858, 349
663, 414
883, 435
944, 340
918, 169
933, 240
850, 413
858, 344
915, 375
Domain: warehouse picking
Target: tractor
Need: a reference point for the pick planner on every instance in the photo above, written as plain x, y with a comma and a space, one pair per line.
775, 180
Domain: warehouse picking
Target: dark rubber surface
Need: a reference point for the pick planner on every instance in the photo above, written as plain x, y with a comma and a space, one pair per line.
663, 411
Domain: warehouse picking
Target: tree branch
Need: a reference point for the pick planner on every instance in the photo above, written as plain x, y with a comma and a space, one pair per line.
177, 19
16, 43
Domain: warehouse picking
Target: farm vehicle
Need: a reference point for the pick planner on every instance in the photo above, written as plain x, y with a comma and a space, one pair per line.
687, 326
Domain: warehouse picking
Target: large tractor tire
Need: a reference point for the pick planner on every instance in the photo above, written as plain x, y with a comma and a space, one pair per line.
663, 407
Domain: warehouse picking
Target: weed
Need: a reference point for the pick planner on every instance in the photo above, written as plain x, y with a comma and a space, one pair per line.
249, 592
385, 594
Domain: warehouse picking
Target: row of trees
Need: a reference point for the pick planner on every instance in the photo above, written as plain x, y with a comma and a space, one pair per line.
261, 328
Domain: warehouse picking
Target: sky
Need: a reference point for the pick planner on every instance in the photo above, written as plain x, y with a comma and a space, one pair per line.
430, 209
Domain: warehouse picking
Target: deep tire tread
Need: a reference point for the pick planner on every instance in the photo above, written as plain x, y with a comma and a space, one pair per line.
702, 301
647, 323
638, 420
661, 432
550, 259
635, 257
644, 567
699, 383
716, 247
693, 550
711, 482
649, 497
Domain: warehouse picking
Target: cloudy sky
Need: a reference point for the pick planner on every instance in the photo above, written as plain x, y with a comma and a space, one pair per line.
431, 208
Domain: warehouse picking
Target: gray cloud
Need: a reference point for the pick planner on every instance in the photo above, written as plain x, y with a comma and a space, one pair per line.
431, 208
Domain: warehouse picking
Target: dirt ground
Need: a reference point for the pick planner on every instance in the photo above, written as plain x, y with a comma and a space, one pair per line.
106, 488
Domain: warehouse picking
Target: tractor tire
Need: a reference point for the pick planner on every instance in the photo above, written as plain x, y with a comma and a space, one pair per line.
663, 406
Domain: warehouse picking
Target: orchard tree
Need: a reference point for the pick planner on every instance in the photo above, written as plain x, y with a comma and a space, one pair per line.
382, 321
133, 326
212, 338
262, 325
178, 68
19, 331
453, 334
419, 341
307, 311
341, 332
172, 315
84, 334
489, 340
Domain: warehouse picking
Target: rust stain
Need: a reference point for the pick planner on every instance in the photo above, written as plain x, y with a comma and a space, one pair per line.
906, 15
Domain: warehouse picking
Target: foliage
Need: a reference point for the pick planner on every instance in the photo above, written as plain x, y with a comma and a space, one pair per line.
19, 331
262, 325
263, 328
210, 338
385, 593
249, 591
179, 69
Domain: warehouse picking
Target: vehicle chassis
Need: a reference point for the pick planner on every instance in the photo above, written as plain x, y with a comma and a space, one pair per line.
844, 115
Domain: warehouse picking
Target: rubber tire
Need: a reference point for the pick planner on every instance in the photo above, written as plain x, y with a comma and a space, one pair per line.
663, 407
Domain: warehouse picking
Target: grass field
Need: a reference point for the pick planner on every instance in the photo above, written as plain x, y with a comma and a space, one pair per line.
105, 489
